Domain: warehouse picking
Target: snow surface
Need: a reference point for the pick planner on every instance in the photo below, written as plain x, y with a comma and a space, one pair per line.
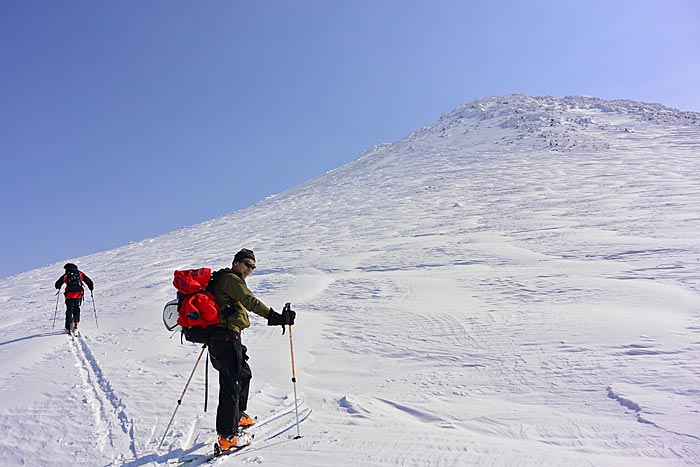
517, 284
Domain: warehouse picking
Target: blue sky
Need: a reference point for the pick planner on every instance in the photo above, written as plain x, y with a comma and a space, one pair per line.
122, 120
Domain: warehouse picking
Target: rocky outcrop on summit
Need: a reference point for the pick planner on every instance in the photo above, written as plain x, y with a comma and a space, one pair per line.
567, 124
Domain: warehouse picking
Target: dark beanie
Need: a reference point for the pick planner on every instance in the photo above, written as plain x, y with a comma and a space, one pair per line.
70, 267
243, 254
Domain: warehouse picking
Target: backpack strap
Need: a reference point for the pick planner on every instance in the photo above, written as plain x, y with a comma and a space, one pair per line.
228, 309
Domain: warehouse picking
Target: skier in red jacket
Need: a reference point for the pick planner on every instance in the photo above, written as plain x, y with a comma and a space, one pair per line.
74, 279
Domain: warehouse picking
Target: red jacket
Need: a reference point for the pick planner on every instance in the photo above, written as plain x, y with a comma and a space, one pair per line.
79, 294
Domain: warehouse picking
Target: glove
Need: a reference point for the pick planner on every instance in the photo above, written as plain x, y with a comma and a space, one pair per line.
275, 319
287, 317
288, 314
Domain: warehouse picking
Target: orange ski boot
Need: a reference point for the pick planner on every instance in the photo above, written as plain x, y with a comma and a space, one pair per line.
245, 421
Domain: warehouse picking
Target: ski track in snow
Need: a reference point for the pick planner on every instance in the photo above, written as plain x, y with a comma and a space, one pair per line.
108, 409
517, 284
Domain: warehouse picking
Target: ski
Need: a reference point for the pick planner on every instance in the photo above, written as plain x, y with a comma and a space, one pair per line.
253, 428
219, 453
73, 332
302, 417
208, 458
252, 431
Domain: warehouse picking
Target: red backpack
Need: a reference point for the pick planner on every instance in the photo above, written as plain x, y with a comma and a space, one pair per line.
197, 309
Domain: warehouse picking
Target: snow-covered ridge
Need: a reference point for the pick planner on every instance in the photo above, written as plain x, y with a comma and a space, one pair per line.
496, 288
571, 123
547, 108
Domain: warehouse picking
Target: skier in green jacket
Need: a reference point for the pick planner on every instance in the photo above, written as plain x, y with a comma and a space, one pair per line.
228, 354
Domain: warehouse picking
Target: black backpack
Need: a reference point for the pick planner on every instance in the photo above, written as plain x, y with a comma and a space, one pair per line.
73, 282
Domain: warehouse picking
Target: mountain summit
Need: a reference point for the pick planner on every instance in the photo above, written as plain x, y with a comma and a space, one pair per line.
560, 124
516, 284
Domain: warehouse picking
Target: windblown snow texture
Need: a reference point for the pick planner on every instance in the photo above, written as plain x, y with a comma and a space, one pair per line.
516, 284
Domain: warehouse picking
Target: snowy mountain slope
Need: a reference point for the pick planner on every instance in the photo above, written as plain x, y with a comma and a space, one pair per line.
516, 284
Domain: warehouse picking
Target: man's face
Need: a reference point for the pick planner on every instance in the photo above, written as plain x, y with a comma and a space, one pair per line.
244, 267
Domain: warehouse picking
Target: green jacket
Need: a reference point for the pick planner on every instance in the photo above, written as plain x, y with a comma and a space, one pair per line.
231, 290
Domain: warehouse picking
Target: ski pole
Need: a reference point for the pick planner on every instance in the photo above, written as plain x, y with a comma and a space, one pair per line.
56, 311
94, 309
206, 384
179, 401
294, 376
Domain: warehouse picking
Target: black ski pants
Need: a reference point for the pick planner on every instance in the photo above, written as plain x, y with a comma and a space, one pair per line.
72, 311
228, 357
